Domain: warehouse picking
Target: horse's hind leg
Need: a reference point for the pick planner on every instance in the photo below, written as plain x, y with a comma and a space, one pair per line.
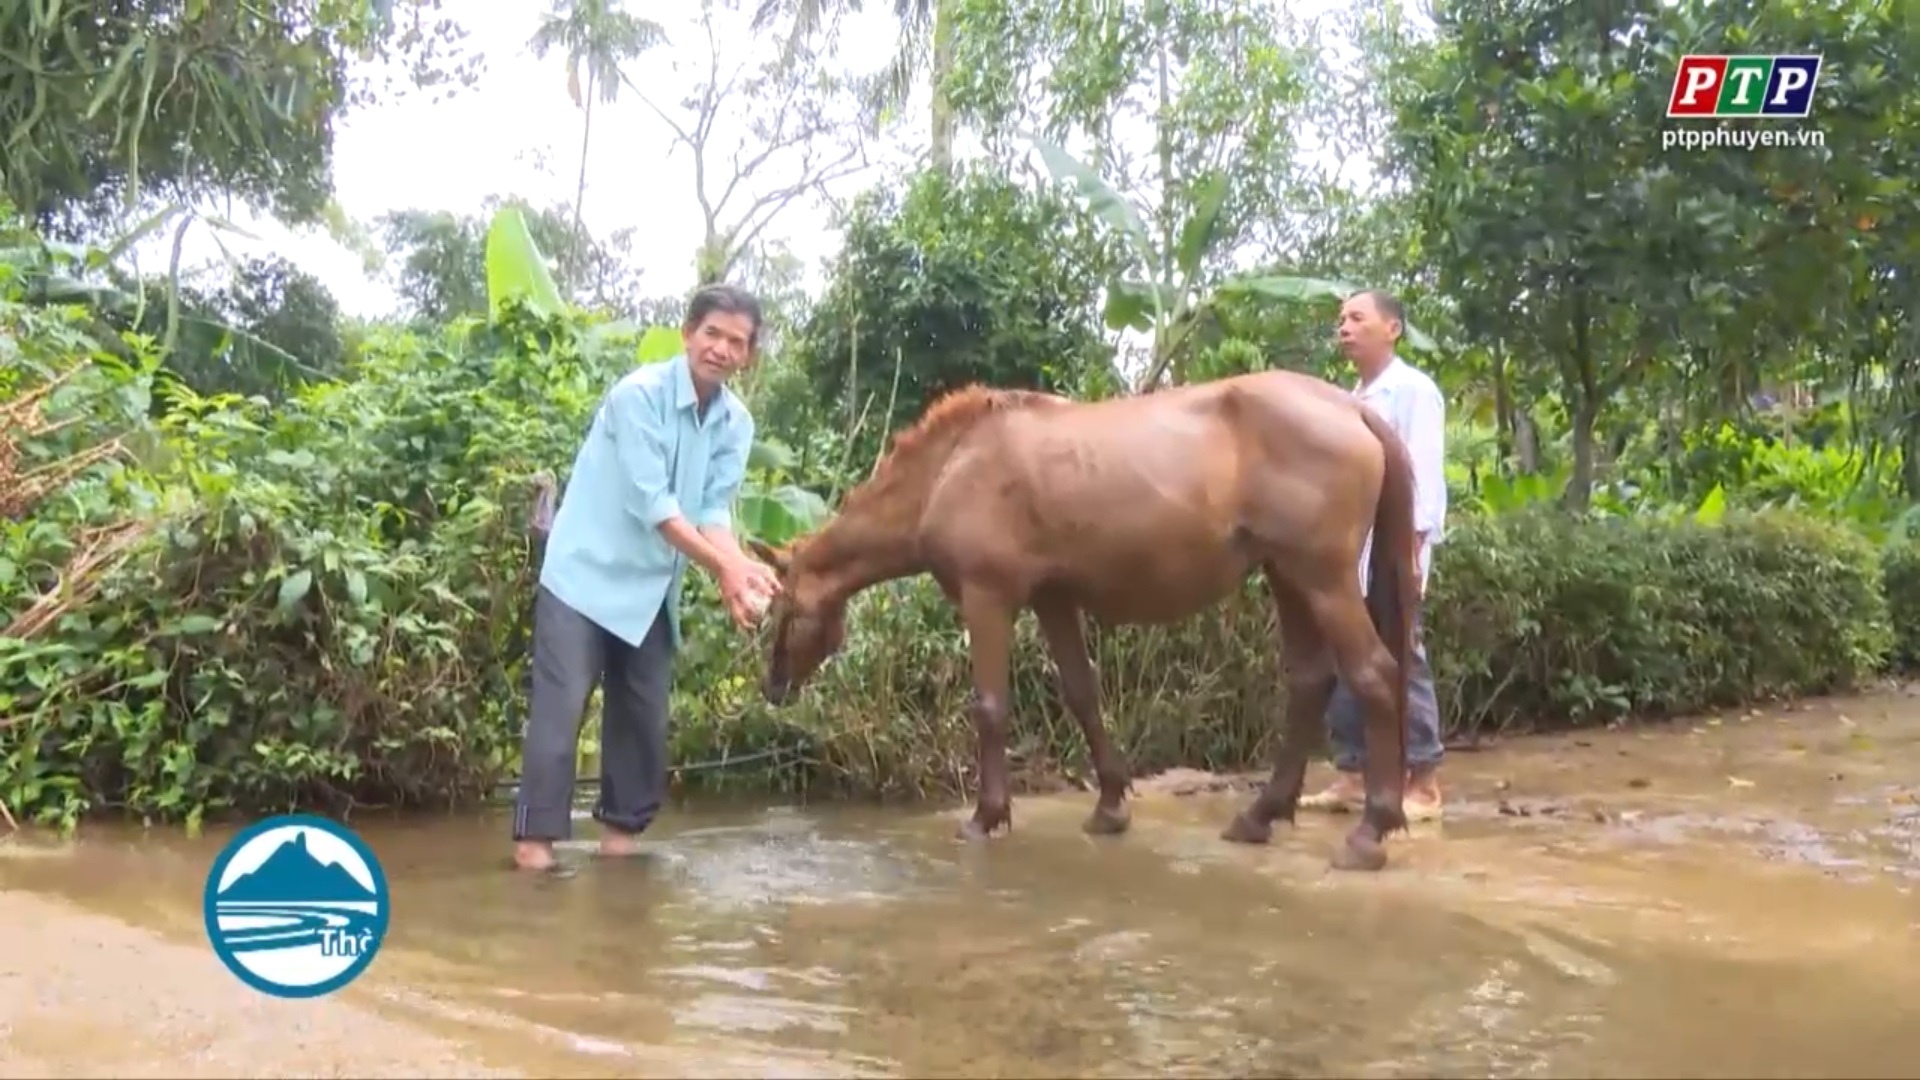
1080, 688
1307, 672
989, 622
1373, 677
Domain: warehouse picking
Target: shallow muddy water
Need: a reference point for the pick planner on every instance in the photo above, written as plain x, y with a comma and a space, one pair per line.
1729, 896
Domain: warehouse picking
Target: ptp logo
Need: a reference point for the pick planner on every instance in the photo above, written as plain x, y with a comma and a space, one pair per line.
1761, 87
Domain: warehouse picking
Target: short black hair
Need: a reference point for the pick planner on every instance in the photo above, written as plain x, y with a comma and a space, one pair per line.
725, 300
1389, 304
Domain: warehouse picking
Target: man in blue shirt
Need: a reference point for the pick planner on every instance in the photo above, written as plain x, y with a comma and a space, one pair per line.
652, 490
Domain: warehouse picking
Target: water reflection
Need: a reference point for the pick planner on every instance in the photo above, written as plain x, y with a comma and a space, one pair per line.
851, 941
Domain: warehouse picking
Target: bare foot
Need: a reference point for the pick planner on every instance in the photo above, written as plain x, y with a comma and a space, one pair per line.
1423, 801
615, 844
533, 855
1347, 794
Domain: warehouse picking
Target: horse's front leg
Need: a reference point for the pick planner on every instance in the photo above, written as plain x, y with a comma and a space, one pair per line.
1080, 689
989, 623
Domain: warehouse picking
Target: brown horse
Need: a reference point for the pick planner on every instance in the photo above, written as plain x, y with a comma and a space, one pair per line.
1139, 510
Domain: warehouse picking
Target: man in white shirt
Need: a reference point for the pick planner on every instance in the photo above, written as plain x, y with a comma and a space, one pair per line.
1370, 325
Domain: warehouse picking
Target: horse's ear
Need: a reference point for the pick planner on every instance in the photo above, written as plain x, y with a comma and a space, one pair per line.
772, 556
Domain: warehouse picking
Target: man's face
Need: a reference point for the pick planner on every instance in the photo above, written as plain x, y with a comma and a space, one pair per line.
1366, 334
719, 345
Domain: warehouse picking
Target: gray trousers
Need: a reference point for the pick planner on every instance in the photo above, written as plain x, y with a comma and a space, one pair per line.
571, 654
1347, 722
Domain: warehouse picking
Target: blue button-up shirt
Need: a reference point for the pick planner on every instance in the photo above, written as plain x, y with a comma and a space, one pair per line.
648, 457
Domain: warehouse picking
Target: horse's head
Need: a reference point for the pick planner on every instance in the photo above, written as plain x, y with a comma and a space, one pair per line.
808, 624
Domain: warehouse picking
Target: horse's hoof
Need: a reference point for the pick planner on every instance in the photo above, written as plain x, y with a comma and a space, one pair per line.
973, 830
1106, 821
1360, 853
1244, 830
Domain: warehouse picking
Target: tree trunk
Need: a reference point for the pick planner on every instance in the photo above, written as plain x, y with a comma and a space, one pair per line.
1584, 395
1579, 493
1503, 429
710, 263
1526, 442
586, 137
941, 151
1909, 444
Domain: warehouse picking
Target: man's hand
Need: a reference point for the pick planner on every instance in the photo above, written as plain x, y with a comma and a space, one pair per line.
743, 582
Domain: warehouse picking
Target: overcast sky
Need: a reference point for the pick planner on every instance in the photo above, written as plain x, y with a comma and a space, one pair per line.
492, 138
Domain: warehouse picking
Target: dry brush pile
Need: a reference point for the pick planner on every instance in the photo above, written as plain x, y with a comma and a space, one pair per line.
68, 513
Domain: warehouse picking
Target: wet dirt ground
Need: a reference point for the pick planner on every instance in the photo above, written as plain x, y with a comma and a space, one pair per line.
1723, 896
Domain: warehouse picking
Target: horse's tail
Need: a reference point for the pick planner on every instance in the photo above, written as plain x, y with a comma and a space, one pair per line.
1393, 588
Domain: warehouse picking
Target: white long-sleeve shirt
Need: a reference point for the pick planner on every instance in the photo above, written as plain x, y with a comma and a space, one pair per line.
1411, 402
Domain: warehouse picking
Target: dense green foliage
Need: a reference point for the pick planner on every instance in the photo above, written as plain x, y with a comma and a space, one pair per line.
1903, 597
326, 607
975, 279
103, 100
323, 599
1684, 450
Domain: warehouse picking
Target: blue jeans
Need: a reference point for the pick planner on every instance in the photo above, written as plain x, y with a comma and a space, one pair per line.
1346, 720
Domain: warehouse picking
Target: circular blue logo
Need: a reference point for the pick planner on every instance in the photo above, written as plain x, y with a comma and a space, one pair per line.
296, 906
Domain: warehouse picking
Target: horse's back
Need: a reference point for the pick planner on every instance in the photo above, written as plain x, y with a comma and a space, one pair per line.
1279, 419
1054, 479
1250, 397
1187, 455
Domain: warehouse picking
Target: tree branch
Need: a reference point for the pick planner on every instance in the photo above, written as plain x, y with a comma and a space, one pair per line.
679, 132
776, 201
786, 109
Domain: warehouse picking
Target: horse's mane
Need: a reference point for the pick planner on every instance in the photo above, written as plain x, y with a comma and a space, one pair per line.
952, 412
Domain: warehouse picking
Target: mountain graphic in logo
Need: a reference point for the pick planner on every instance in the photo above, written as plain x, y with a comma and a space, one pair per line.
292, 874
296, 906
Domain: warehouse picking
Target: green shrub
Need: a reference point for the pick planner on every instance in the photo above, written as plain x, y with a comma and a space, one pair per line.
324, 604
1902, 568
1538, 618
322, 614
